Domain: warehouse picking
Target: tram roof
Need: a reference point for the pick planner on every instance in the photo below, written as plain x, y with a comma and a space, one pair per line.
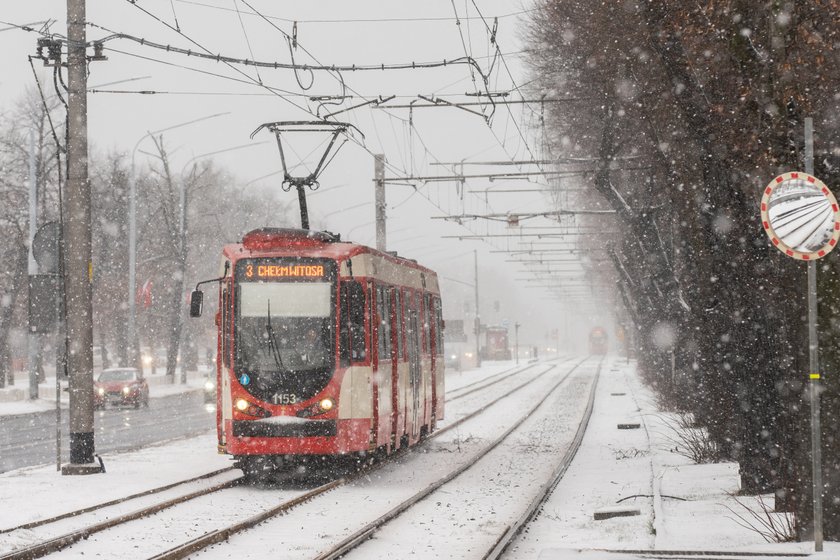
283, 242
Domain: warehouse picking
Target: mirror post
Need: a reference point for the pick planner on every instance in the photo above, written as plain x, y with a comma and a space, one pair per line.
790, 201
814, 365
816, 451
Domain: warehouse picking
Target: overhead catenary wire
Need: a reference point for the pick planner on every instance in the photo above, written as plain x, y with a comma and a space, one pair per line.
245, 33
231, 60
250, 79
324, 67
444, 19
463, 60
411, 127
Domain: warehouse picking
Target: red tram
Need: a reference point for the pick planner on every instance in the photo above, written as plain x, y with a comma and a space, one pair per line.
326, 348
598, 341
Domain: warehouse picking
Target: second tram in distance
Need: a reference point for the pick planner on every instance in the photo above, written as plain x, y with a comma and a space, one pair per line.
325, 348
598, 341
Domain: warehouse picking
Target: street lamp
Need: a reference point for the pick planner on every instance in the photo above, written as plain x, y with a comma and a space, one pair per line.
132, 236
516, 340
182, 234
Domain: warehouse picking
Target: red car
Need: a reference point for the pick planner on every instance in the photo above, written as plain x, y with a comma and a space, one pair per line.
121, 387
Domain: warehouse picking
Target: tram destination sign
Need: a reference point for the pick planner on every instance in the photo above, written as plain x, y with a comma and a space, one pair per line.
274, 269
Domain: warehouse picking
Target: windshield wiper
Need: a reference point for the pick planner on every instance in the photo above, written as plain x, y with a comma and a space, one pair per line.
272, 341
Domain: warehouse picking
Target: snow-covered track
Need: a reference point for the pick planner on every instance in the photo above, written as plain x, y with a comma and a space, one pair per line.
223, 534
149, 492
211, 536
548, 487
471, 388
368, 530
56, 544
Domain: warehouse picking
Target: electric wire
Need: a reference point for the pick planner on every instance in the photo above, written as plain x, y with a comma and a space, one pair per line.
376, 129
245, 33
463, 43
354, 20
249, 79
232, 61
272, 91
510, 74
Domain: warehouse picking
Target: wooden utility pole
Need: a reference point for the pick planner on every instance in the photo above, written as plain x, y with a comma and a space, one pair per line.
77, 255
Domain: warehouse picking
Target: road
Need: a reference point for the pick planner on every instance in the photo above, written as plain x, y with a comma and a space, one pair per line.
29, 439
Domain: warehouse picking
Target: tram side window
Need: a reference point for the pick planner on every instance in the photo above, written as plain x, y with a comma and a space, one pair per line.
383, 308
226, 326
398, 301
426, 325
438, 326
352, 334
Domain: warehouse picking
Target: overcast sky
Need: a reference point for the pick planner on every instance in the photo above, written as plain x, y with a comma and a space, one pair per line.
327, 32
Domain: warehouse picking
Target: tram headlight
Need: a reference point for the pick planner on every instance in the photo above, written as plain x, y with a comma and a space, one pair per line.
250, 409
126, 390
101, 391
317, 408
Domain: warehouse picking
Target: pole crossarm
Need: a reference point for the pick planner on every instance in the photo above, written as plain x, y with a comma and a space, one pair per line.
490, 176
515, 217
509, 236
557, 161
433, 103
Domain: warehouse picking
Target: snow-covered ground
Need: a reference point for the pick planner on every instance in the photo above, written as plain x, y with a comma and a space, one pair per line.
681, 506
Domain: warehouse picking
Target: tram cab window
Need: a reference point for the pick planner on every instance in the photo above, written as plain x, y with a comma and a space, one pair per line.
352, 332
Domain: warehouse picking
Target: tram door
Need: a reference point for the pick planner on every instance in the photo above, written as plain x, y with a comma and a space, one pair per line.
414, 372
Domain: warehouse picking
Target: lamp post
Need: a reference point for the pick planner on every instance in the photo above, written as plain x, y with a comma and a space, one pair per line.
516, 340
182, 244
133, 355
477, 316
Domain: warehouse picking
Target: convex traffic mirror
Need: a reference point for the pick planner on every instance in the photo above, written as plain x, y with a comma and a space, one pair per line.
800, 215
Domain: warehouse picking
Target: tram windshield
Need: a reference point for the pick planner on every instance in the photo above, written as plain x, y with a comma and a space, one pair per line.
285, 326
284, 339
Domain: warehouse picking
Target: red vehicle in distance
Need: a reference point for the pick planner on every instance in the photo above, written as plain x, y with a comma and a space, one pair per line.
121, 387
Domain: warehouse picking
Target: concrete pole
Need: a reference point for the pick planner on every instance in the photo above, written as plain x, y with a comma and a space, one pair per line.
379, 175
77, 236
